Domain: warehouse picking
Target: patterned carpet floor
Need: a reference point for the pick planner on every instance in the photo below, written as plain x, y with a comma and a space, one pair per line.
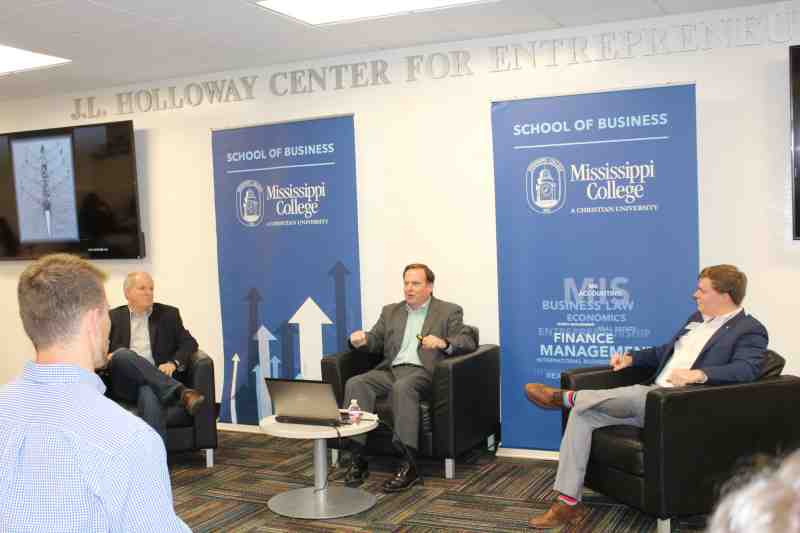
488, 494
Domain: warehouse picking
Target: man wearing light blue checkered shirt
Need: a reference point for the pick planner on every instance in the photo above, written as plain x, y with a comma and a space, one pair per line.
71, 460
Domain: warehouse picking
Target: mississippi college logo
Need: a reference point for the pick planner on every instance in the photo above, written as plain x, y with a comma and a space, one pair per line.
250, 203
545, 185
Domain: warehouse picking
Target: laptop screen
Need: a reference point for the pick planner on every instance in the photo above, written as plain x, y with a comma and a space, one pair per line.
295, 398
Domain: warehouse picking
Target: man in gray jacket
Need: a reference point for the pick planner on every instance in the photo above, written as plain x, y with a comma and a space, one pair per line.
413, 335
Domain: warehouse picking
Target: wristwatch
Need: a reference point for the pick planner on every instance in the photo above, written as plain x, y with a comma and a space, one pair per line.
177, 365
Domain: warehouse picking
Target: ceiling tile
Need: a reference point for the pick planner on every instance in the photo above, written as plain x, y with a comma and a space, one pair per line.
587, 12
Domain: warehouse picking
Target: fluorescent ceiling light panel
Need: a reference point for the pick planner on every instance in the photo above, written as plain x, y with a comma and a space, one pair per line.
319, 12
16, 60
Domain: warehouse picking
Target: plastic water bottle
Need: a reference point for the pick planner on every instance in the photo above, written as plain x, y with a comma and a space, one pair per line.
354, 411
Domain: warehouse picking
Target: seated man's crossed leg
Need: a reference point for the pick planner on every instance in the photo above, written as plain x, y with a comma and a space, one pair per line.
136, 380
590, 409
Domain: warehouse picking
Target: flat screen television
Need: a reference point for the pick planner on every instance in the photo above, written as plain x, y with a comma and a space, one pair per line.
71, 189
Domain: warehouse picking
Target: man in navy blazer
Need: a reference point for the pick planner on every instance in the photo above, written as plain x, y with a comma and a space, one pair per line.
147, 345
718, 344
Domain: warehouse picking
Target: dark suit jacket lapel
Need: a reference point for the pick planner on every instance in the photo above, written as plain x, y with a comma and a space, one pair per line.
399, 320
726, 327
152, 327
428, 357
125, 329
430, 318
696, 317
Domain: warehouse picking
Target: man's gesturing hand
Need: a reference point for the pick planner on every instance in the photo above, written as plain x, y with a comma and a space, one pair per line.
168, 368
358, 338
683, 376
620, 361
432, 342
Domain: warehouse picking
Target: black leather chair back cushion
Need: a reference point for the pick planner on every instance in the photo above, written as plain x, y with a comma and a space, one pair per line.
773, 365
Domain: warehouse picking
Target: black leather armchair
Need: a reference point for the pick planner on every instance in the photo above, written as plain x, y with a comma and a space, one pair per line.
184, 431
692, 438
462, 411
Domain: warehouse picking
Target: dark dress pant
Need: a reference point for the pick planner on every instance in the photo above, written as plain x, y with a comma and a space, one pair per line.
405, 385
135, 380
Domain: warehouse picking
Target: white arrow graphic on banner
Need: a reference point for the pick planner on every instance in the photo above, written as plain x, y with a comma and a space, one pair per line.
233, 387
264, 401
263, 336
310, 319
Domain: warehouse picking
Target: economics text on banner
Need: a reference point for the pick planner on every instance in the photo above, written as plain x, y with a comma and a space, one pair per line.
287, 239
597, 235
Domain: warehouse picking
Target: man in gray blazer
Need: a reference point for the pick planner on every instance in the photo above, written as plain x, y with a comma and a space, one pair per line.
413, 335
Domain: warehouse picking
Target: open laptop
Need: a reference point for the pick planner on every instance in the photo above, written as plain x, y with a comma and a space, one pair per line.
298, 401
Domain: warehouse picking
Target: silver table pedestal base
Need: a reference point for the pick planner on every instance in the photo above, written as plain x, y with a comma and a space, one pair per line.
333, 502
321, 501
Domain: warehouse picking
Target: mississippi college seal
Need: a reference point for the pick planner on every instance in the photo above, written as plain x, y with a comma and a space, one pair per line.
545, 185
250, 203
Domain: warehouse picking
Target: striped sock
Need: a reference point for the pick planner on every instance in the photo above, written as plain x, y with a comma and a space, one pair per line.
569, 500
568, 398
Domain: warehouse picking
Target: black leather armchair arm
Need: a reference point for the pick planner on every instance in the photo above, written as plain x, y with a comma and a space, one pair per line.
465, 400
603, 377
200, 375
339, 367
694, 435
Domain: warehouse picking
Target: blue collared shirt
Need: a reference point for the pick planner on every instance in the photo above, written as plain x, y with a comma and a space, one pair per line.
71, 460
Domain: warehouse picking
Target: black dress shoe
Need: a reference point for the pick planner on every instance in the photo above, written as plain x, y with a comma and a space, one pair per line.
405, 478
357, 473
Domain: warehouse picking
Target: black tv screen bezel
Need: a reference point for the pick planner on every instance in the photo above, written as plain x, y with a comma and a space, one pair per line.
794, 95
134, 247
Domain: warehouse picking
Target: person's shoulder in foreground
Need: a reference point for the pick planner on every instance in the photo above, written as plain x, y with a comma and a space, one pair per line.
70, 459
81, 458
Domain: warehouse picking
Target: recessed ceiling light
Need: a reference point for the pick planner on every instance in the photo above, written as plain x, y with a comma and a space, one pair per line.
17, 60
321, 12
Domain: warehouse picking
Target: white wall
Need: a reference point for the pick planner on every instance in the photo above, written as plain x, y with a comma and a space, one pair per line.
425, 173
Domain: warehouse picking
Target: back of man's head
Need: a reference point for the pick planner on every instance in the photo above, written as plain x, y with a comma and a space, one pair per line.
54, 293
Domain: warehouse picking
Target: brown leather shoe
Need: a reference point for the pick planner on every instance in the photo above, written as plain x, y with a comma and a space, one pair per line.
191, 400
558, 515
544, 396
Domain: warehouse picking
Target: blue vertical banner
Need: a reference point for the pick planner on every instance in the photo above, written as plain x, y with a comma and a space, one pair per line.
597, 236
287, 240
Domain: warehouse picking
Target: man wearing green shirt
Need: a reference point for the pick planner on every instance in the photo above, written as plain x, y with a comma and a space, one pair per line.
413, 335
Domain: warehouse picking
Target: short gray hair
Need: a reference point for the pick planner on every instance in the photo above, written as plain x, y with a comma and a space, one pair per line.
130, 279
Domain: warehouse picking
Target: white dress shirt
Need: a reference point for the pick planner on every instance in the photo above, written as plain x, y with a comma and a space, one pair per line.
140, 334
